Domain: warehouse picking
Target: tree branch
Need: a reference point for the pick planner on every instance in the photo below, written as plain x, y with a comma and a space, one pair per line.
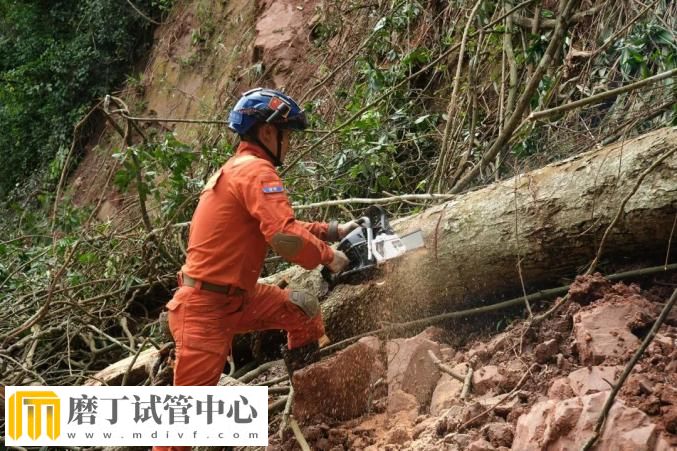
601, 96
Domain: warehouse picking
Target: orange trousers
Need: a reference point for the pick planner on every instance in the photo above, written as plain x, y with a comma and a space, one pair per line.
203, 325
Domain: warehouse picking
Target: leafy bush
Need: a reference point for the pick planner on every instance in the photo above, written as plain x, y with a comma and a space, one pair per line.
56, 57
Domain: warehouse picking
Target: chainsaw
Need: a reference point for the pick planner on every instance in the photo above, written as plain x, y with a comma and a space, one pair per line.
370, 245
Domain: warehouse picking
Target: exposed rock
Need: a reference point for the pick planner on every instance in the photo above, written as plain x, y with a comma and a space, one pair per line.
447, 391
375, 344
502, 409
569, 424
459, 439
479, 353
450, 421
338, 386
663, 444
470, 415
603, 334
498, 434
586, 289
423, 426
399, 401
562, 363
513, 372
278, 32
399, 436
546, 350
560, 389
586, 381
481, 445
670, 418
411, 369
487, 379
498, 343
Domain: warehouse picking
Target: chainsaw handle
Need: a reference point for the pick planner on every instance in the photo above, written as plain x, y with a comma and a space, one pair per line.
362, 220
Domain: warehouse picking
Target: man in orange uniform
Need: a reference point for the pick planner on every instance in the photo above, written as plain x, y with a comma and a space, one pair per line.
243, 209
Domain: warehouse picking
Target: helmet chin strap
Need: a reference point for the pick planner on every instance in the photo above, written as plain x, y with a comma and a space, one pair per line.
275, 156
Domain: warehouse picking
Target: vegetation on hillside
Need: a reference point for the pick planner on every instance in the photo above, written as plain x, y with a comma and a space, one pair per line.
57, 58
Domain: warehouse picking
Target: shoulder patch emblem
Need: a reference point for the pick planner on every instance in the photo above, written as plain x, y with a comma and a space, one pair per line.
273, 187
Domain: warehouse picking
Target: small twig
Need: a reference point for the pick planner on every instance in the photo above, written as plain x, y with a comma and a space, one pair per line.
277, 405
502, 400
26, 370
628, 369
445, 368
31, 350
125, 329
279, 390
467, 383
299, 435
277, 380
176, 120
626, 27
286, 412
112, 339
251, 375
140, 13
131, 364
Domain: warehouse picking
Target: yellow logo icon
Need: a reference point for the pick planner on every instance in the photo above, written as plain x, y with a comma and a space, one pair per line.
35, 403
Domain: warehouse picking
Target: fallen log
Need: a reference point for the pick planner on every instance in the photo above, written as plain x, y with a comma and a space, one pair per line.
140, 369
550, 220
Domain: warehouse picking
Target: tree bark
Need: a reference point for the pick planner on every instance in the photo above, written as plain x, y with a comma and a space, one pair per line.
559, 212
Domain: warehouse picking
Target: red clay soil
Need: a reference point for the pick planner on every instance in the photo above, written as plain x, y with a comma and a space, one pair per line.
566, 365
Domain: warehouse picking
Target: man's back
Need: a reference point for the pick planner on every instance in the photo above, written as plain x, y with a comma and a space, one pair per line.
226, 245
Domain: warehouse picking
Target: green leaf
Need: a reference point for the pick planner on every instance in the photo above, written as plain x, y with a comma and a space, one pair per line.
380, 25
420, 119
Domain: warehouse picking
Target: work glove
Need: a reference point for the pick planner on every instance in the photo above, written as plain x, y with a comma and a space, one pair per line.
345, 228
339, 262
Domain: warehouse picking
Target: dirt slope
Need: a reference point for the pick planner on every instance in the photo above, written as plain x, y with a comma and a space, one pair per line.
205, 55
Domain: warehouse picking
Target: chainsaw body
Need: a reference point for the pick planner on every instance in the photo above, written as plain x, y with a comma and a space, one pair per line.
366, 247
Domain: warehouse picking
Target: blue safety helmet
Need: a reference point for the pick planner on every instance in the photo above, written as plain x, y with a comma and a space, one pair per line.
269, 106
266, 105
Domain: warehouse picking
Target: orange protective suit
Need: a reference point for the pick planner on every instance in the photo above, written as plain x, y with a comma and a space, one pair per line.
241, 209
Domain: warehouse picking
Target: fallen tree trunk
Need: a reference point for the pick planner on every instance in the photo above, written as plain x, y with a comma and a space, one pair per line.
550, 220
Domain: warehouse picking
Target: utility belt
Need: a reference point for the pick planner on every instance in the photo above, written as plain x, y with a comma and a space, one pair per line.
229, 290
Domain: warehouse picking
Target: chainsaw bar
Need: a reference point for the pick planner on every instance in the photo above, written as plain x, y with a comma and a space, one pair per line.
413, 240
